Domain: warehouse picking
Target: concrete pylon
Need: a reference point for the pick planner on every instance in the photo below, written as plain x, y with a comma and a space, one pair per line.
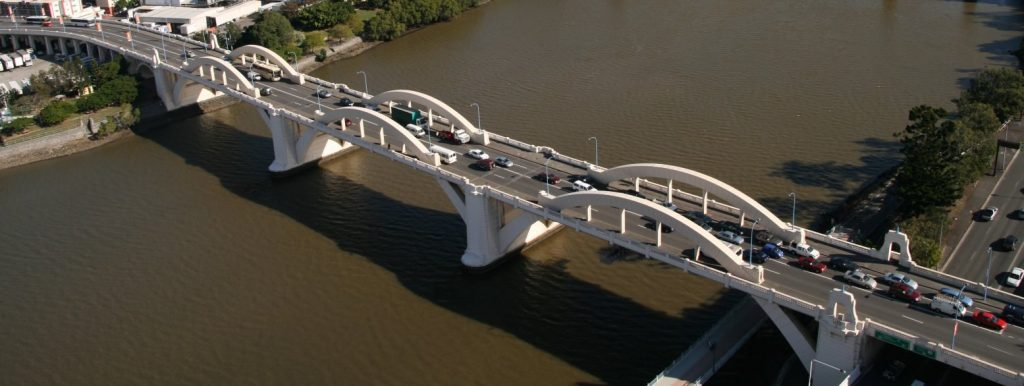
284, 136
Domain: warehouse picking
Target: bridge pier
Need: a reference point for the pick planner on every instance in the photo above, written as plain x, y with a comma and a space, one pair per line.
493, 229
296, 146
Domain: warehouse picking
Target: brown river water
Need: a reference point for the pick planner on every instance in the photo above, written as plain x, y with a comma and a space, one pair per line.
172, 257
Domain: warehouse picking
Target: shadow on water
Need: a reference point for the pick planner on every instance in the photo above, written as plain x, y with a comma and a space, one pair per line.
602, 333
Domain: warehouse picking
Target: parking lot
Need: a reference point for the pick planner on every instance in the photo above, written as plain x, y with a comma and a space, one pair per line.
20, 75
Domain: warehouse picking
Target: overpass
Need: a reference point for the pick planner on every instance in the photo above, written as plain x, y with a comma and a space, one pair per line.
507, 209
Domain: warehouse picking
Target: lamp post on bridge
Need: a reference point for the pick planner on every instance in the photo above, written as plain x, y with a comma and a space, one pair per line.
547, 178
366, 87
988, 272
792, 223
752, 241
595, 149
318, 111
474, 104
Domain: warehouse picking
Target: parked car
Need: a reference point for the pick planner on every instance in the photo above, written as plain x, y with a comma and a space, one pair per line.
772, 250
1013, 278
503, 162
988, 319
988, 213
1009, 243
1014, 314
765, 237
811, 264
802, 249
485, 164
903, 291
896, 277
477, 154
548, 177
957, 294
730, 237
842, 264
860, 279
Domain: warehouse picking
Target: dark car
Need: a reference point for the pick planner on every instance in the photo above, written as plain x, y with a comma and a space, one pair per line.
1014, 314
1009, 243
323, 93
811, 264
266, 91
765, 237
665, 228
485, 164
772, 250
902, 291
760, 257
548, 177
698, 217
988, 213
345, 102
1017, 214
842, 264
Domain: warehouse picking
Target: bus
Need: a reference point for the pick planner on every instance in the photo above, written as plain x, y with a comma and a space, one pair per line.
81, 22
267, 71
37, 19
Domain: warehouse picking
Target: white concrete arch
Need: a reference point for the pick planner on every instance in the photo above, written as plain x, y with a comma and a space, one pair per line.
434, 104
705, 241
711, 185
271, 57
390, 131
187, 91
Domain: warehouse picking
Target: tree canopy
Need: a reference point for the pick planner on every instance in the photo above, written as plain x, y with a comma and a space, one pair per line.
272, 30
1002, 88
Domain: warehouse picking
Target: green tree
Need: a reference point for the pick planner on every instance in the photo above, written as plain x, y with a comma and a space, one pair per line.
355, 25
313, 41
120, 90
55, 112
271, 30
1002, 88
383, 26
323, 15
106, 72
340, 32
91, 102
928, 177
229, 35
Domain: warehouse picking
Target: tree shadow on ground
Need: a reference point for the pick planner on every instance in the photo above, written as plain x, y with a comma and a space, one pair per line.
614, 338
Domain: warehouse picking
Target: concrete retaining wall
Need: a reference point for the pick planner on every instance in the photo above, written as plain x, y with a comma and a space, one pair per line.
11, 153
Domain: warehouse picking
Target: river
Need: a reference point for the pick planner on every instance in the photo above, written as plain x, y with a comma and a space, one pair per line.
172, 257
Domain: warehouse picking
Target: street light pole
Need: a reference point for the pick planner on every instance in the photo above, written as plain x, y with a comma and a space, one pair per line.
318, 99
595, 149
547, 177
792, 224
752, 241
366, 88
988, 272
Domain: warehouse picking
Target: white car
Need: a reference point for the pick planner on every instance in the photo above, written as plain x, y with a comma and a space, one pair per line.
730, 237
895, 277
1013, 279
860, 279
806, 250
477, 153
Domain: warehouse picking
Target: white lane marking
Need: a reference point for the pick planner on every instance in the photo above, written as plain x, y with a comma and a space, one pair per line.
773, 271
918, 321
1004, 352
498, 175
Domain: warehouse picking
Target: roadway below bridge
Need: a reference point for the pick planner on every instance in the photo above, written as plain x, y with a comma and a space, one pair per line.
1000, 348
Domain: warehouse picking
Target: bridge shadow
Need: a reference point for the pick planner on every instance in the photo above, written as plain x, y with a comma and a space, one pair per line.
610, 336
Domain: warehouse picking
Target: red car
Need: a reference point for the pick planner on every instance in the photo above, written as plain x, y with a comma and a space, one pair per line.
549, 178
988, 319
903, 291
811, 264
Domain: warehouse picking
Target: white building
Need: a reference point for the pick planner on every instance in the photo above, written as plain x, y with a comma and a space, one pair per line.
52, 8
189, 20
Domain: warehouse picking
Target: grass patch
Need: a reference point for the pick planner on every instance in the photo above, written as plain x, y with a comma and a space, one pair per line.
365, 15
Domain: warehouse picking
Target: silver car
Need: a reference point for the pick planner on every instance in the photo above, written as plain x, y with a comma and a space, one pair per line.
730, 237
860, 279
894, 277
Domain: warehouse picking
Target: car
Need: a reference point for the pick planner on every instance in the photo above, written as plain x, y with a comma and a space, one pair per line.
665, 228
730, 237
266, 91
988, 213
635, 193
896, 277
669, 205
548, 177
47, 23
322, 93
760, 258
959, 295
903, 291
802, 249
988, 319
1009, 243
1014, 314
484, 164
348, 122
765, 237
1017, 214
728, 226
190, 54
698, 217
842, 264
503, 162
772, 250
345, 102
252, 75
1013, 278
477, 154
810, 264
860, 279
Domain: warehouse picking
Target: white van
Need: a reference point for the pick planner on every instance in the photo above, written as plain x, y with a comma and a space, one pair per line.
415, 130
948, 305
581, 186
447, 155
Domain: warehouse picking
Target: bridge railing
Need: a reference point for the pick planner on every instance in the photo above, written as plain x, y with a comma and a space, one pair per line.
512, 142
838, 243
943, 354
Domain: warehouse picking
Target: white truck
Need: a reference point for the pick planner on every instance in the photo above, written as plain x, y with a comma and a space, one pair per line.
26, 57
803, 249
7, 62
949, 306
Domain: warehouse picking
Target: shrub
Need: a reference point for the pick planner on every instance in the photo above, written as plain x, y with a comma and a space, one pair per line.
16, 126
55, 112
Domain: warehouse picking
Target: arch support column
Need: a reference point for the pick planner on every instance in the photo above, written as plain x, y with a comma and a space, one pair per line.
285, 137
165, 82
